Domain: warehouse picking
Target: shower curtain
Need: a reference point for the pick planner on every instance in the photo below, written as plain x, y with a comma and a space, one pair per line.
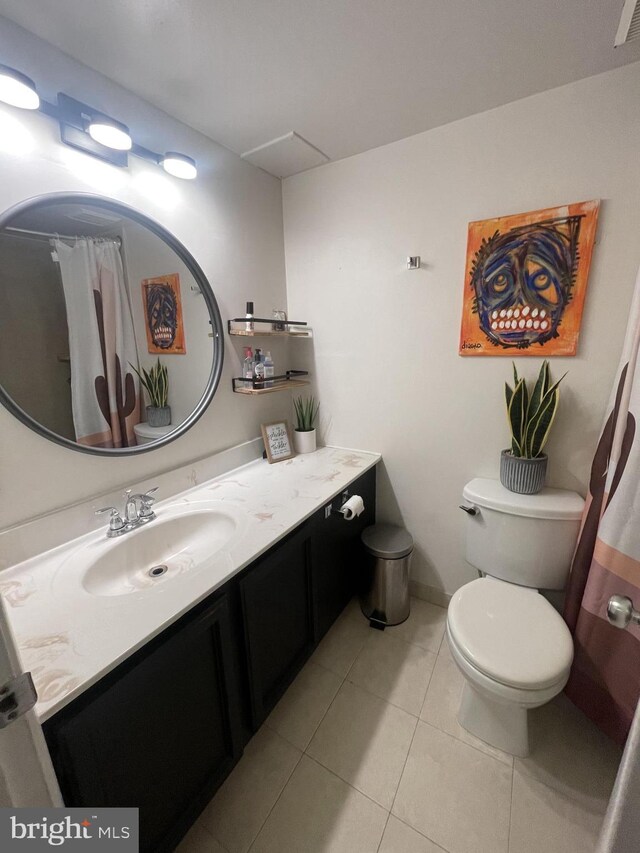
105, 391
605, 677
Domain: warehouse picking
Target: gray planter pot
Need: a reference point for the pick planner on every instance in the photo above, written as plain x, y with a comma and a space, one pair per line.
158, 416
523, 476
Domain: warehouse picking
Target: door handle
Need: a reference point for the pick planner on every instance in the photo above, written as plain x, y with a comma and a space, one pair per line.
621, 612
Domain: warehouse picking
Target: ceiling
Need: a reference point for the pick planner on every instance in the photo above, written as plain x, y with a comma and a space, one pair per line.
346, 75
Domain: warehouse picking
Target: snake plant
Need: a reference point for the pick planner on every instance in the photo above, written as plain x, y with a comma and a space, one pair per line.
531, 415
306, 413
156, 383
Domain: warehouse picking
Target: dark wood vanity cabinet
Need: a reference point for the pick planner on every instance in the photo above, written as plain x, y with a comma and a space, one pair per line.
337, 554
292, 595
277, 613
160, 732
165, 728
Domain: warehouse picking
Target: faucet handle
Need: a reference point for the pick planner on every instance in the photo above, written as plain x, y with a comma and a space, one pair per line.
115, 520
146, 502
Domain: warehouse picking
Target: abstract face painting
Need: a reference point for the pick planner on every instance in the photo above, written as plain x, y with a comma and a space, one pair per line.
163, 314
526, 281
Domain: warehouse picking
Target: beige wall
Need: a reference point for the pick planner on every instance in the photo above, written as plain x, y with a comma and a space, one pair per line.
34, 341
386, 339
230, 218
146, 256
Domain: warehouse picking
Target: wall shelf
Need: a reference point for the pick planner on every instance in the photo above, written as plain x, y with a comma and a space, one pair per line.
264, 328
256, 387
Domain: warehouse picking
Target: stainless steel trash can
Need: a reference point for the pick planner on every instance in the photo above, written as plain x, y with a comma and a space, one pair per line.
384, 599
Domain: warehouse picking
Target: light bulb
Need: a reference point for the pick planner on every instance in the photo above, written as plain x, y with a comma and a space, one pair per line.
110, 133
17, 90
179, 165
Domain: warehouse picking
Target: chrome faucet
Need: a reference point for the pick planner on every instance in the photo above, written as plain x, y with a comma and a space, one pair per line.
137, 511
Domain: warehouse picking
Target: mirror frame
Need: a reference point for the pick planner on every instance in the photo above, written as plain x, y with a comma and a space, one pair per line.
202, 282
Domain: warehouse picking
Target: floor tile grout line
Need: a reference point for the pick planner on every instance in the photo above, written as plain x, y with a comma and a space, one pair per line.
344, 678
402, 774
324, 715
208, 831
470, 745
560, 792
466, 743
277, 800
404, 766
421, 834
304, 749
424, 698
386, 824
384, 699
344, 781
390, 628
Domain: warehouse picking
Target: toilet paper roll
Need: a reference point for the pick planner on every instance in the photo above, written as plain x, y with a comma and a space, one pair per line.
352, 508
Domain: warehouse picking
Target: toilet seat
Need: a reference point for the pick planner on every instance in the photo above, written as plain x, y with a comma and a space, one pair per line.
510, 634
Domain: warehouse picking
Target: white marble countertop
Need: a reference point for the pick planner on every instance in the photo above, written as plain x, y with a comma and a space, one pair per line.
69, 638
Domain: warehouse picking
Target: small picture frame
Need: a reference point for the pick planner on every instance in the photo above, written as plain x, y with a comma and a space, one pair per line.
277, 441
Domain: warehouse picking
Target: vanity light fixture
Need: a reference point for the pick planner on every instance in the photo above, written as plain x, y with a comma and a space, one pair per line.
110, 133
17, 90
179, 165
87, 129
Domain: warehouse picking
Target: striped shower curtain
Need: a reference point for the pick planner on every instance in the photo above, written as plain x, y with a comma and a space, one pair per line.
605, 678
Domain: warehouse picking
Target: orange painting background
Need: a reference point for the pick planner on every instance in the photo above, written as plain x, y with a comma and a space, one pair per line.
473, 341
172, 281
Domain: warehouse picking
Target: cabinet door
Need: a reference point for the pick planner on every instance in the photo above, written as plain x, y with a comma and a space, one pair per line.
278, 620
161, 737
337, 553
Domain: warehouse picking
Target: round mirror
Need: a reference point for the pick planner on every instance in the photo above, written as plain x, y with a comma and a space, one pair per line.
110, 335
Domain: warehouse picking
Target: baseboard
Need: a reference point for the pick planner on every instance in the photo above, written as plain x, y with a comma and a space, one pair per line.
432, 594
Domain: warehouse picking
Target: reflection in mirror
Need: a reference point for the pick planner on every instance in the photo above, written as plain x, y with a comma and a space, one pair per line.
107, 337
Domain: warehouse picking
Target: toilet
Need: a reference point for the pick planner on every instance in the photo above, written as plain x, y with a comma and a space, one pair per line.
511, 645
145, 434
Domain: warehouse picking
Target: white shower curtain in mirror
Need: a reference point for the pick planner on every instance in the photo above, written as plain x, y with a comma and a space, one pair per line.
105, 392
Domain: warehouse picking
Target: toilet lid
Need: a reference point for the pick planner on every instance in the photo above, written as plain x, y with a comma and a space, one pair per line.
145, 431
510, 633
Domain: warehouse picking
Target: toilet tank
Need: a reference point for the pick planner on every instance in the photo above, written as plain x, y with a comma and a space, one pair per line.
523, 539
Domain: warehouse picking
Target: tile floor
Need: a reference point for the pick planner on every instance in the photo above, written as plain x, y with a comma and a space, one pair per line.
364, 754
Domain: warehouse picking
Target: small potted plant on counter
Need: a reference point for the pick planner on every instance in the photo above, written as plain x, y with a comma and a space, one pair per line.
156, 383
304, 434
523, 466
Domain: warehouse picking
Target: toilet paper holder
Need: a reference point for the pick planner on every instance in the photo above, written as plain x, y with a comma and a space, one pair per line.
331, 510
351, 507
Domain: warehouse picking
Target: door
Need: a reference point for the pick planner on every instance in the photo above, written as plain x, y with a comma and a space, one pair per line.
278, 620
26, 773
160, 733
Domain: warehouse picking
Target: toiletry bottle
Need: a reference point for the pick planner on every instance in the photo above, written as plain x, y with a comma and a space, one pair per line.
249, 317
279, 316
269, 369
258, 367
247, 364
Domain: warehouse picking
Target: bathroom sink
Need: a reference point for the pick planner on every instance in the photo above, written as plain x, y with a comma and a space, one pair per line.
179, 541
